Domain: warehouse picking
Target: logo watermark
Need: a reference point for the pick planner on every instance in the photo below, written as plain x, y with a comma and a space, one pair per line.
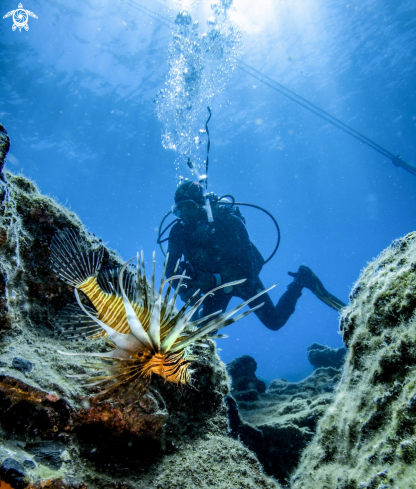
20, 18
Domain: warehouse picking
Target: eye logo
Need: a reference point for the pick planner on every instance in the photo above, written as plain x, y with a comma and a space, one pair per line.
20, 18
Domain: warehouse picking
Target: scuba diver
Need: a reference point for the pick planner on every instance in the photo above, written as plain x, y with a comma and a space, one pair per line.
213, 247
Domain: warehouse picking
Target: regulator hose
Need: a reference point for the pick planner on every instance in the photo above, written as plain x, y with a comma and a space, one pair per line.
231, 204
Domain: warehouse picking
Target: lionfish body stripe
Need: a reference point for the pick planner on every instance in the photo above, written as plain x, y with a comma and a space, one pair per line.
148, 336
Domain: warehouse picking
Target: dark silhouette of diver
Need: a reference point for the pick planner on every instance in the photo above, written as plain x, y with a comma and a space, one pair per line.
214, 253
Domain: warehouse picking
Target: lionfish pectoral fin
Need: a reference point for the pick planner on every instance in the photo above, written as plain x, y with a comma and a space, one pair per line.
154, 324
217, 323
174, 335
184, 318
135, 325
174, 297
179, 320
204, 319
117, 354
124, 341
72, 323
211, 292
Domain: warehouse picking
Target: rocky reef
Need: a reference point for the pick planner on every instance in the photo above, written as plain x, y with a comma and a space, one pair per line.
350, 425
367, 437
324, 356
53, 434
278, 423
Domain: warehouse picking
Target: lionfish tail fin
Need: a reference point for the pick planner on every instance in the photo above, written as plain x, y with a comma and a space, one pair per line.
73, 259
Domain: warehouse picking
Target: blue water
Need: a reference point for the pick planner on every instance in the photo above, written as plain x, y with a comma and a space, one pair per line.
77, 99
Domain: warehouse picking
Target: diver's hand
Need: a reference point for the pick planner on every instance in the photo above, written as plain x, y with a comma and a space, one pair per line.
186, 291
204, 281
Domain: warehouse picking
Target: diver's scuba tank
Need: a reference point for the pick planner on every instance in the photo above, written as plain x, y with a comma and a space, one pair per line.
208, 209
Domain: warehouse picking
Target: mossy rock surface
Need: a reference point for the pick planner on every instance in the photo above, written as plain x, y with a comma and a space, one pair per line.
367, 437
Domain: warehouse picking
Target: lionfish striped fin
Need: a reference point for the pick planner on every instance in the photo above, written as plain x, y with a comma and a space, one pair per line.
108, 281
133, 320
221, 321
74, 324
124, 341
74, 260
184, 317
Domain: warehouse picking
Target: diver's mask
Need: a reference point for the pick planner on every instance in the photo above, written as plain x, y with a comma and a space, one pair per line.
187, 210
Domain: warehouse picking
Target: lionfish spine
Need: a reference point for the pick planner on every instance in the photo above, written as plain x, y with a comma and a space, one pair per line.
73, 324
71, 258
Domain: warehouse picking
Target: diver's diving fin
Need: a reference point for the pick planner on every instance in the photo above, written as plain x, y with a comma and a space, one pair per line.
305, 277
330, 300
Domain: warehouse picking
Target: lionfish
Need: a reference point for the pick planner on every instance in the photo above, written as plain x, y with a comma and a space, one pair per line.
146, 333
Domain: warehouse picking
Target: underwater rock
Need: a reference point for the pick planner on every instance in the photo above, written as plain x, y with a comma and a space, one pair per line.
12, 472
367, 438
27, 410
46, 453
22, 364
281, 422
166, 440
4, 316
242, 372
325, 356
55, 484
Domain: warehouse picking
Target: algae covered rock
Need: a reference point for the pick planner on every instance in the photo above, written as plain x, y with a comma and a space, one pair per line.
51, 425
367, 437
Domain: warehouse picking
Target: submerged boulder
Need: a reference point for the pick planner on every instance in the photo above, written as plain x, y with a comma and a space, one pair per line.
367, 437
244, 382
51, 426
325, 356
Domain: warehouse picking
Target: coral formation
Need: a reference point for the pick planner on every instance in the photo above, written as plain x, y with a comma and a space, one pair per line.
367, 437
51, 427
277, 424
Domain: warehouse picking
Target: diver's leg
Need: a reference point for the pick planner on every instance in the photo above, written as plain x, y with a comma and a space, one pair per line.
273, 317
304, 277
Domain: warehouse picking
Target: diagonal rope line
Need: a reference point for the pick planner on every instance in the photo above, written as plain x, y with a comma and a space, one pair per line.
396, 159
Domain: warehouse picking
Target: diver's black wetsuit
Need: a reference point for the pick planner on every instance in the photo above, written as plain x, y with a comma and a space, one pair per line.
224, 248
